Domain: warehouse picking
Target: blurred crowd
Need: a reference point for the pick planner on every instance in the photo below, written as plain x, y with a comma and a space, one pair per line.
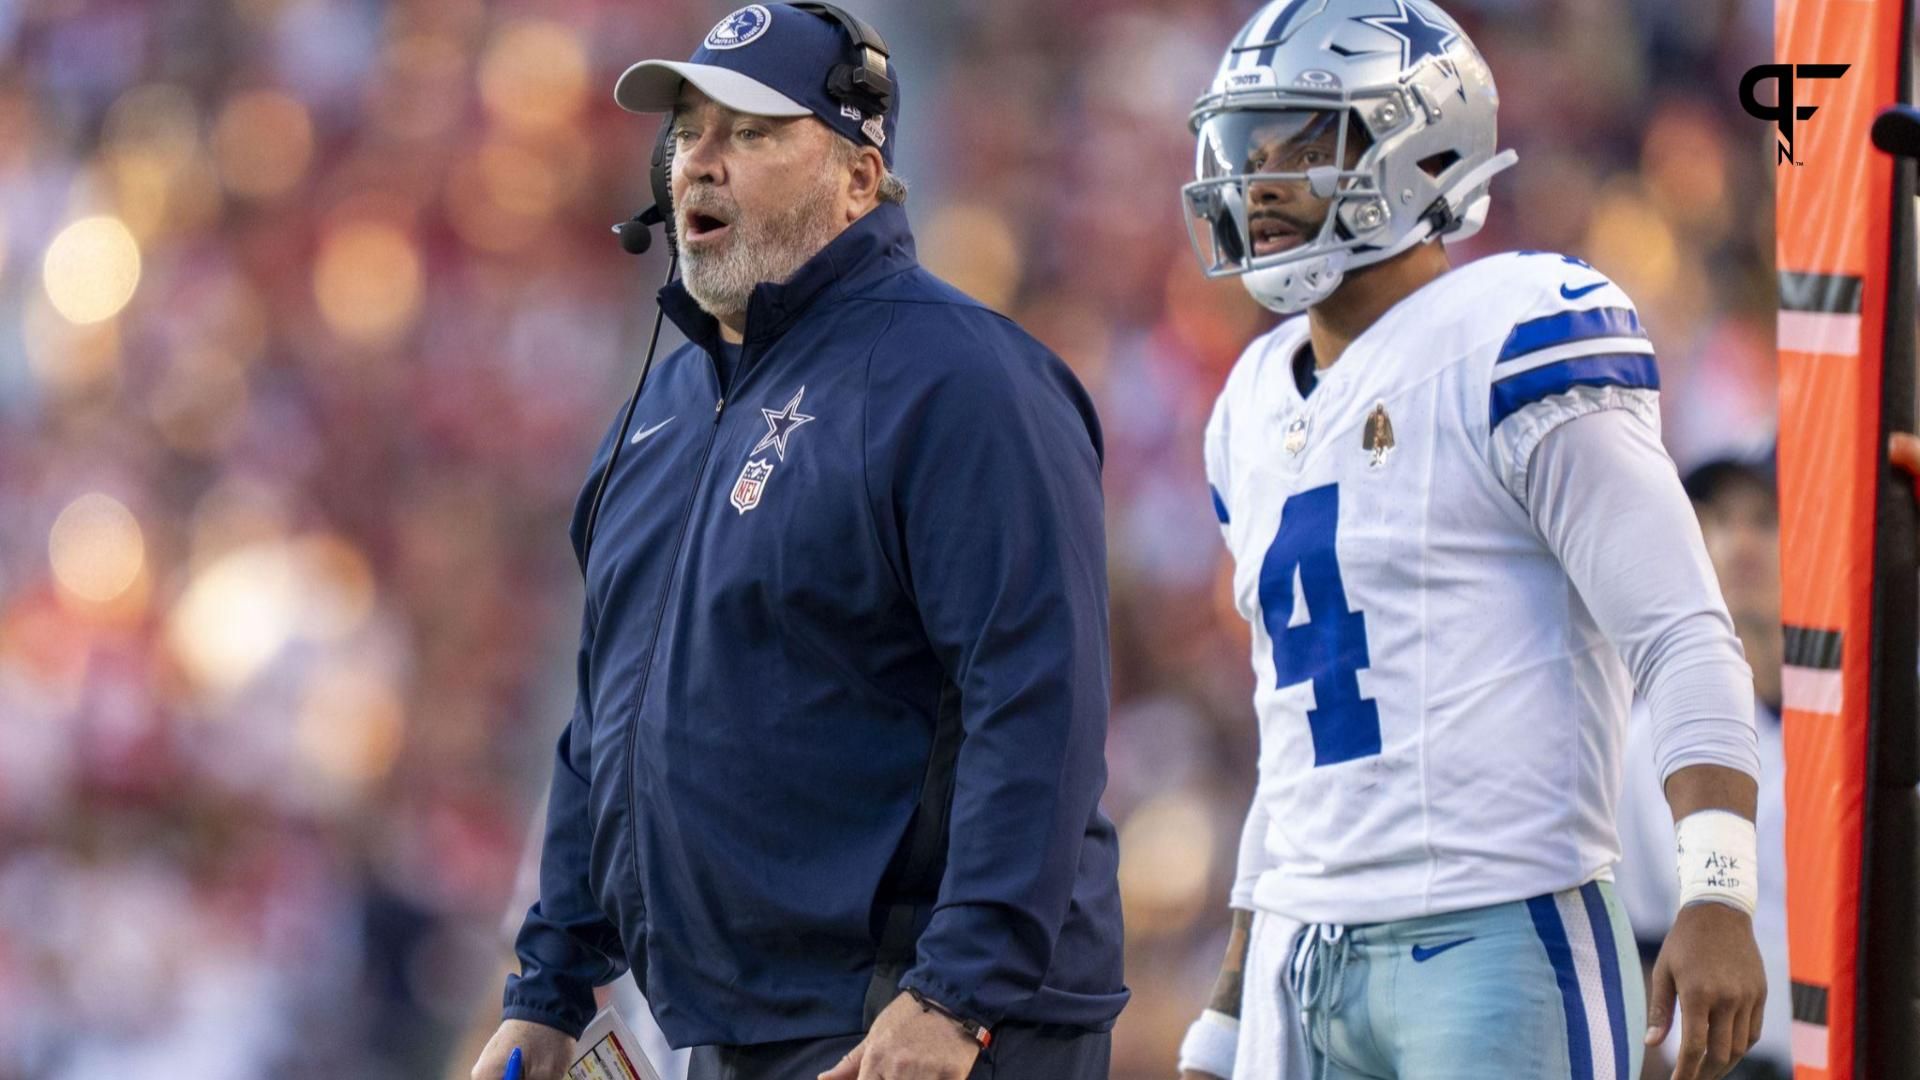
309, 319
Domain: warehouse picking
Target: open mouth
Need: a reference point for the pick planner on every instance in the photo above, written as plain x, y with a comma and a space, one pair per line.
703, 227
1272, 234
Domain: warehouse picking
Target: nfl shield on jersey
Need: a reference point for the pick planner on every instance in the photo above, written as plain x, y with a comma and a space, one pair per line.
1440, 716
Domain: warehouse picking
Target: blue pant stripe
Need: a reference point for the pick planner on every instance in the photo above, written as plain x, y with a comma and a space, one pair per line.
1603, 943
1553, 935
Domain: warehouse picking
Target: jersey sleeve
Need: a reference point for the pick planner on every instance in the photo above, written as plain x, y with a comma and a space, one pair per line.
1605, 495
1576, 347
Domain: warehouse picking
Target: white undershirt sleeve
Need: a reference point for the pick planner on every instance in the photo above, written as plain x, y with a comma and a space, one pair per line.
1603, 493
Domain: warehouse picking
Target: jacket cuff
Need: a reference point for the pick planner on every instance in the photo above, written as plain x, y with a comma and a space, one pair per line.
545, 1008
949, 997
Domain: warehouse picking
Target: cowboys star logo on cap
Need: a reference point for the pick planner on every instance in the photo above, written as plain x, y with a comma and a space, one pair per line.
740, 28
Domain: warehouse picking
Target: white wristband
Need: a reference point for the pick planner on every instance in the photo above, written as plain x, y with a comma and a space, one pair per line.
1718, 858
1210, 1044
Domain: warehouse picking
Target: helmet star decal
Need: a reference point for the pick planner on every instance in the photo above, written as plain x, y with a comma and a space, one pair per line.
1419, 38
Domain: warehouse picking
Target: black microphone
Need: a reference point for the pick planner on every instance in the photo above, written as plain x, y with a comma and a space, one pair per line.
636, 233
1897, 131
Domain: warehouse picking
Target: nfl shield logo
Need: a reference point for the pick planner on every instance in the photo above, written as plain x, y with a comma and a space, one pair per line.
753, 480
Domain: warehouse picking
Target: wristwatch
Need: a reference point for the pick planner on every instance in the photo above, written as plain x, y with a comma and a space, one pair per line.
973, 1029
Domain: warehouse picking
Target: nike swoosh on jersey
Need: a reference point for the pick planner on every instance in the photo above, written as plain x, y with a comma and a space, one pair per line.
1575, 294
1422, 954
638, 435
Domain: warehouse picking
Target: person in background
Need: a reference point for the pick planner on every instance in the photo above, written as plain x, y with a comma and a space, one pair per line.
1903, 449
1738, 509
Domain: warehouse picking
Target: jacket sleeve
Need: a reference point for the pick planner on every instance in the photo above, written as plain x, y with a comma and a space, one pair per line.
566, 945
992, 475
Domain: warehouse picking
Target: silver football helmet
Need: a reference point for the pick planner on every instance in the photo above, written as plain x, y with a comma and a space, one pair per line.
1381, 108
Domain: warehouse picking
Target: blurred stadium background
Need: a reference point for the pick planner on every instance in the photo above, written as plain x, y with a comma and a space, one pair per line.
309, 318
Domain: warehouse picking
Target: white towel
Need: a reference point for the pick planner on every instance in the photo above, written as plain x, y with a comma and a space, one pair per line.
1272, 1042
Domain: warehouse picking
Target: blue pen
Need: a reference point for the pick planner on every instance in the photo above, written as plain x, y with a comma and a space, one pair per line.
513, 1065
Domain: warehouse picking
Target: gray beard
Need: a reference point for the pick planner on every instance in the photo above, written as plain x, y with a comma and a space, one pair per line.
760, 250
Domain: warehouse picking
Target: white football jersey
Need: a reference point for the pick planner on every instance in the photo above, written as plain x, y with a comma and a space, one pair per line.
1441, 719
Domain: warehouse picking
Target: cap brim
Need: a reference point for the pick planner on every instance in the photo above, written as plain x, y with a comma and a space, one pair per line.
654, 86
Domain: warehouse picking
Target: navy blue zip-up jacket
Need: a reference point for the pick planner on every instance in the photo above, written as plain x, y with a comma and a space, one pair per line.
893, 511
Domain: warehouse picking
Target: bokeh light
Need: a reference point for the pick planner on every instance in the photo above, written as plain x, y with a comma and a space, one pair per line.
96, 548
234, 616
1166, 859
201, 402
248, 602
1684, 159
367, 281
421, 86
67, 359
534, 74
262, 143
336, 585
160, 118
1632, 241
91, 269
350, 725
155, 171
974, 248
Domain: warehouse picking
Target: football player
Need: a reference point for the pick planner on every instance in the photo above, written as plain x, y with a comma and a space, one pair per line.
1461, 548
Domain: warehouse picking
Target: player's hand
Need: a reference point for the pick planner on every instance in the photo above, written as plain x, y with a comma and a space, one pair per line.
1710, 962
909, 1043
1904, 451
543, 1051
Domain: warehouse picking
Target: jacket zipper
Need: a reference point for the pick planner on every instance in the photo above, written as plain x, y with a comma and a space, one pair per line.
660, 619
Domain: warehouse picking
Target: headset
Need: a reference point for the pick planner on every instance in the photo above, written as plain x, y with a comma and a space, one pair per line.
862, 82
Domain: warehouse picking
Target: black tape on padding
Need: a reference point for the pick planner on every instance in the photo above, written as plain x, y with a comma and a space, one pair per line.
1812, 647
1831, 294
1809, 1003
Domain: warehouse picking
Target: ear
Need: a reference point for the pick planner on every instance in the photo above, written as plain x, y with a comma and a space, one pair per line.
863, 181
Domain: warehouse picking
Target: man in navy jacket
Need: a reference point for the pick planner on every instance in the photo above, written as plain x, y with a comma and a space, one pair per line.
830, 788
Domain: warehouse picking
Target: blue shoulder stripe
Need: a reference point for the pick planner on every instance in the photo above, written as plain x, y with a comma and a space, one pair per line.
1634, 370
1219, 504
1566, 326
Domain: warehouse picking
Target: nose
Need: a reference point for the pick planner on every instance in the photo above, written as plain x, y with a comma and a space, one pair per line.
1271, 192
702, 162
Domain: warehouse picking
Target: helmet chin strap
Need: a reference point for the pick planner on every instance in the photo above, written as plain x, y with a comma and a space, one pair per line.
1296, 286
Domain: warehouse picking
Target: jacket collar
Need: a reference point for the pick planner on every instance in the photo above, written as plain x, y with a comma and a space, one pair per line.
873, 247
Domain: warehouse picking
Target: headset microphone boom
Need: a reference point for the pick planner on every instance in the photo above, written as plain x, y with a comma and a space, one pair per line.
636, 236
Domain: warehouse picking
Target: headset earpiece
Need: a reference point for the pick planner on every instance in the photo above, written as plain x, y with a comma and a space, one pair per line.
660, 177
864, 84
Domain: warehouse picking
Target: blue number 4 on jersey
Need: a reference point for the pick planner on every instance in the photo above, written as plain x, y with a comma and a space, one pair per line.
1330, 648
